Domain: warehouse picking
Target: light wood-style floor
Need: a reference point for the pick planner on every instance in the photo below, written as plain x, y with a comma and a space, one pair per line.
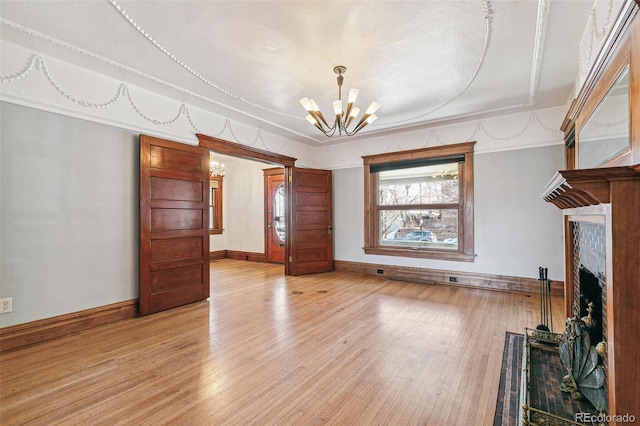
334, 348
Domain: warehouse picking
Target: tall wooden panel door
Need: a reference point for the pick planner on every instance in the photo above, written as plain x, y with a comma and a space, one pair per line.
174, 219
275, 202
310, 245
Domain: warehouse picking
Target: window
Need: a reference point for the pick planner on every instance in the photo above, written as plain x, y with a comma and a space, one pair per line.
215, 205
419, 203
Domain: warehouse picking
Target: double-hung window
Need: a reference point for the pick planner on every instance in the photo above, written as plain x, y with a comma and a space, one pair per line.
419, 203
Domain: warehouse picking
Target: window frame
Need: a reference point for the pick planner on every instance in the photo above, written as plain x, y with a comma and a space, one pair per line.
465, 252
215, 204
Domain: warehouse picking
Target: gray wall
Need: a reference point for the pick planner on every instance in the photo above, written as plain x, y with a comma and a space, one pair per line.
515, 231
68, 214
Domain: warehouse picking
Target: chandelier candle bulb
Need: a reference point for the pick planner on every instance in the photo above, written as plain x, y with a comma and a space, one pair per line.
352, 115
353, 94
337, 107
306, 104
372, 108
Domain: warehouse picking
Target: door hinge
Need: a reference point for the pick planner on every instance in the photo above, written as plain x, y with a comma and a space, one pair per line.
290, 259
330, 230
290, 178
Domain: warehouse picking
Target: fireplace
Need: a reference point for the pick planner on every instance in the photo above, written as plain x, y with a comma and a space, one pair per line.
602, 263
589, 272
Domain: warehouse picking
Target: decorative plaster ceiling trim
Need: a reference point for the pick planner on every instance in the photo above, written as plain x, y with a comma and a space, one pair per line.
194, 72
486, 16
464, 118
487, 37
594, 34
541, 31
37, 62
145, 76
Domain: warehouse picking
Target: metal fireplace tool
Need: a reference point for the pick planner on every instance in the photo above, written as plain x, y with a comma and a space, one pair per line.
546, 318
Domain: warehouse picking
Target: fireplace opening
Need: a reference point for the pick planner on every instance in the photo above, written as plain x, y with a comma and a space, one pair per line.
591, 299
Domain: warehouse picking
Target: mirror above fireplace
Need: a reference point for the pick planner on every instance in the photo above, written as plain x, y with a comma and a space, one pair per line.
605, 135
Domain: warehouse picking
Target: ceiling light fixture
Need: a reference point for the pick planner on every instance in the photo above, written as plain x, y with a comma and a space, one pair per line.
343, 118
216, 167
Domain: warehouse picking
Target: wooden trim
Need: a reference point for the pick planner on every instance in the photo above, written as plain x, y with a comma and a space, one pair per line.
424, 253
237, 255
217, 255
568, 266
217, 198
437, 276
27, 334
608, 50
266, 173
465, 251
247, 152
420, 153
245, 255
585, 187
620, 49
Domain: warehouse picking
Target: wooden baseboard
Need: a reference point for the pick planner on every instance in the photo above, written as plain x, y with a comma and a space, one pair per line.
22, 335
456, 278
245, 255
217, 255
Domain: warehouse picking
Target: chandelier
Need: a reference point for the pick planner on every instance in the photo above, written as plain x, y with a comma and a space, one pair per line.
216, 167
343, 119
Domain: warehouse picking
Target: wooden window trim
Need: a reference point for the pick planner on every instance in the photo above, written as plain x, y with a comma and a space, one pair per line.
465, 252
217, 204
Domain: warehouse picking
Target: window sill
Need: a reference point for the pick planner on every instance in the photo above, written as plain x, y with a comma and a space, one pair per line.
424, 254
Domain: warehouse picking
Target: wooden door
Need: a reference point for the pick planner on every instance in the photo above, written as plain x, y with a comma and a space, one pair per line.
310, 236
174, 220
275, 221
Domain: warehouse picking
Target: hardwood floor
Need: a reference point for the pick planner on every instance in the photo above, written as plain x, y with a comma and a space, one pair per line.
332, 348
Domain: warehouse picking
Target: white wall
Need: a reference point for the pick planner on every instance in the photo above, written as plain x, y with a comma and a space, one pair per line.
243, 215
243, 207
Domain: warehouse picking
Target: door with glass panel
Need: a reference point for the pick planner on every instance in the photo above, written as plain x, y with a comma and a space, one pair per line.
275, 215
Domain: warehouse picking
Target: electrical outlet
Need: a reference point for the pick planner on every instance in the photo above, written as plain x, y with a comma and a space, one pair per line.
453, 279
6, 305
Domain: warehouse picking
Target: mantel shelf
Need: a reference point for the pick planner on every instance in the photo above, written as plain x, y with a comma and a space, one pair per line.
585, 187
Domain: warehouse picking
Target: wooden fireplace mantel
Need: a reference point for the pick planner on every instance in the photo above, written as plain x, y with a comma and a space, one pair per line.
586, 187
613, 193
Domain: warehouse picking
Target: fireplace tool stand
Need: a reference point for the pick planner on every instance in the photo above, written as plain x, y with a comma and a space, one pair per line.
546, 318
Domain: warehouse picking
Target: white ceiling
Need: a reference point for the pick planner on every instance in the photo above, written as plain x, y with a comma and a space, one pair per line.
425, 61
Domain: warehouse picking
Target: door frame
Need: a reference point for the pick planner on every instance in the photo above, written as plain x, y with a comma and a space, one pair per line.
267, 173
232, 149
